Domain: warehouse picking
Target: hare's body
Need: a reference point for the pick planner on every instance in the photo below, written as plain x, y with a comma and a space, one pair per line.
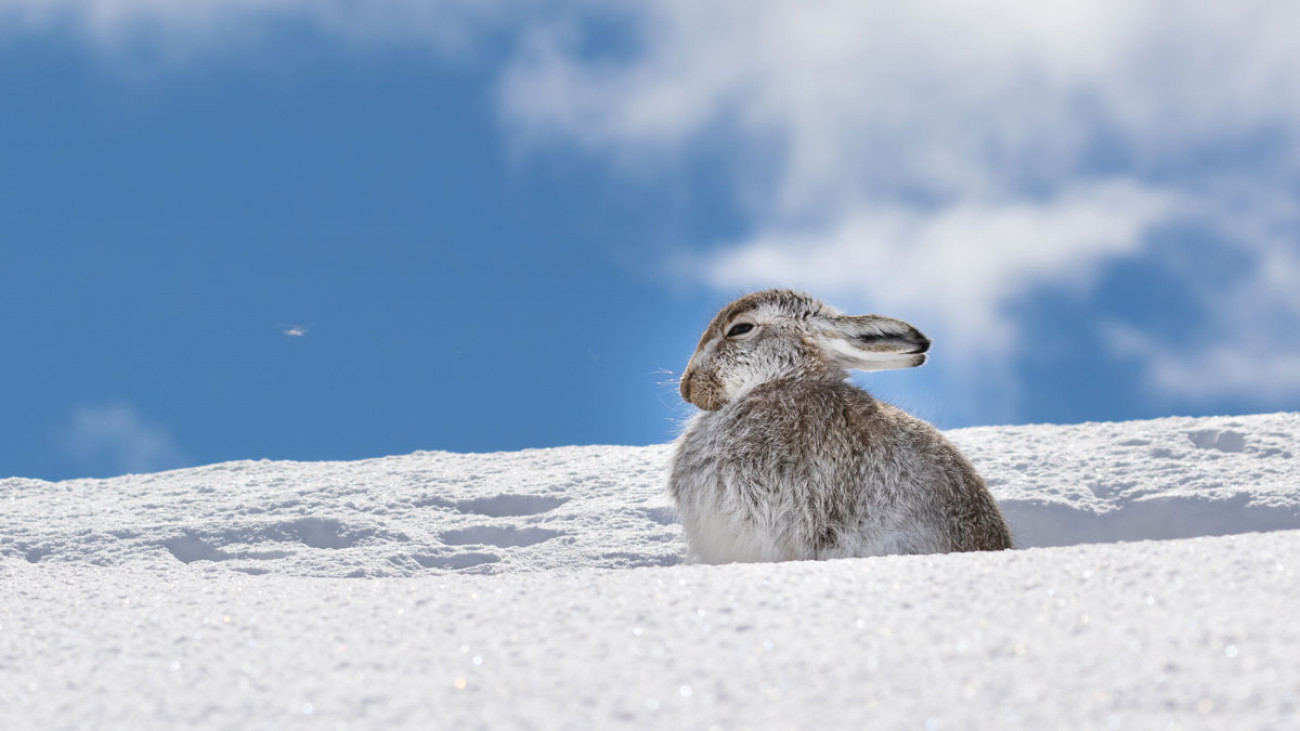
798, 470
793, 462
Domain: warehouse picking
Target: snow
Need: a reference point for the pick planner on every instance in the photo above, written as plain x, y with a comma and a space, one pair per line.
541, 589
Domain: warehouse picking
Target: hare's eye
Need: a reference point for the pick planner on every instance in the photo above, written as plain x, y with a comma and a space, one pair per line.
740, 328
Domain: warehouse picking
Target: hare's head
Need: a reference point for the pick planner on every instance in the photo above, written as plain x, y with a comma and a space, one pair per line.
779, 333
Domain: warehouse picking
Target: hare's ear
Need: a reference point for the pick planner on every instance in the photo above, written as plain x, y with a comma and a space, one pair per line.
872, 342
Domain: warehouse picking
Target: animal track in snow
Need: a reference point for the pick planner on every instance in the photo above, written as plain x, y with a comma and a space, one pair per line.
457, 562
502, 506
1224, 441
190, 548
507, 536
322, 533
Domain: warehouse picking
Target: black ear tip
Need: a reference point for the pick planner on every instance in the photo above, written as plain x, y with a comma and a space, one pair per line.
922, 345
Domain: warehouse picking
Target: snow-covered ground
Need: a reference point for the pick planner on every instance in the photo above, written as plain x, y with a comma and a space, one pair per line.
541, 589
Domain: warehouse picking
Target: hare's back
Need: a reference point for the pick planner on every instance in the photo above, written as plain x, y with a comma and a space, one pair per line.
937, 486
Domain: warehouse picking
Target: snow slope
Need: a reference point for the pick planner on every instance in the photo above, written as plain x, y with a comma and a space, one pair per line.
498, 592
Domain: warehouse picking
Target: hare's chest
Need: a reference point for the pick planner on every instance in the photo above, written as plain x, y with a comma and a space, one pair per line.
726, 512
721, 527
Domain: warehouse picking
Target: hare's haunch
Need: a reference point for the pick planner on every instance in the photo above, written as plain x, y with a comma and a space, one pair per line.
790, 461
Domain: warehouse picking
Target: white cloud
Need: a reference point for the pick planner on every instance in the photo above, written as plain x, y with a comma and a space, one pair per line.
941, 98
948, 158
114, 437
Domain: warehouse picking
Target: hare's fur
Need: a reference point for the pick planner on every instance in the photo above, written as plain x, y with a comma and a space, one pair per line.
789, 461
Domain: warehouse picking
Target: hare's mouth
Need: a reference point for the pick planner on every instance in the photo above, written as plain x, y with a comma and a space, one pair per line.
702, 389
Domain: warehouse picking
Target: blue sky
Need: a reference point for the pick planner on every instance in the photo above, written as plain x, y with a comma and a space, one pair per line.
503, 225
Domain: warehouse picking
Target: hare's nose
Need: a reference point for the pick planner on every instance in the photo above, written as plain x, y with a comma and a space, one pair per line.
686, 386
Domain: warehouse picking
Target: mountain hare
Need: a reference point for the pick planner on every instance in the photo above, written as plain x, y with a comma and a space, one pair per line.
790, 461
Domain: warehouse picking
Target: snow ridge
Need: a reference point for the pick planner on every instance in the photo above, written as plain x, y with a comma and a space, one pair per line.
605, 507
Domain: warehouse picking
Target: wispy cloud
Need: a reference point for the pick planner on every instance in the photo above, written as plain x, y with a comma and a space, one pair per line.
949, 158
113, 438
857, 98
1244, 345
180, 28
